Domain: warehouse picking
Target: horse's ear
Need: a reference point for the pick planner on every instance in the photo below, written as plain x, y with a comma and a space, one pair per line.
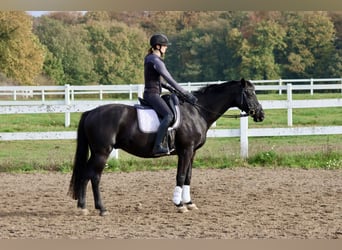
243, 83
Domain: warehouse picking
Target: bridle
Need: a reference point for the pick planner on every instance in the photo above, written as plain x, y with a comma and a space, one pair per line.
251, 108
251, 111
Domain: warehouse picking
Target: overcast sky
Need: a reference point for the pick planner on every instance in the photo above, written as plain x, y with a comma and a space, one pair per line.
39, 13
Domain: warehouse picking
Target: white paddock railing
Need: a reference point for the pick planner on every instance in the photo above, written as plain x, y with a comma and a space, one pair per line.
71, 92
68, 92
243, 132
299, 83
70, 105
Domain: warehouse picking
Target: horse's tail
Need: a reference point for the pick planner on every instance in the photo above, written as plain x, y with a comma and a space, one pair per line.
81, 157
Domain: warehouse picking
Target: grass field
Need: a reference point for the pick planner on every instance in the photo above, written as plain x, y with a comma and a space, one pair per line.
292, 151
303, 152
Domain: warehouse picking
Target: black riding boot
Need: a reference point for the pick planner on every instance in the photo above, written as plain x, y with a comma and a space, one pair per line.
158, 148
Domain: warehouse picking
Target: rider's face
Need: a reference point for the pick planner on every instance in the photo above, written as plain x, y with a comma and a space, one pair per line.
163, 49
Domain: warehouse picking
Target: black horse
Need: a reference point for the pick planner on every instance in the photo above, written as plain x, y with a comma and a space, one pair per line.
115, 126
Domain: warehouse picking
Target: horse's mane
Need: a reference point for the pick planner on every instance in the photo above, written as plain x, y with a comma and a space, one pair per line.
214, 88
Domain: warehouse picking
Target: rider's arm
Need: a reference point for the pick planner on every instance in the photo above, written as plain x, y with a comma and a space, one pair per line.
166, 86
162, 70
160, 67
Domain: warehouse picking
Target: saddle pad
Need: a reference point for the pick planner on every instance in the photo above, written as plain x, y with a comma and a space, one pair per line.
148, 120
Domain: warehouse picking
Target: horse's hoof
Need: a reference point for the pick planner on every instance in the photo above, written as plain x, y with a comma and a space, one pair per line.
191, 206
182, 209
84, 211
104, 213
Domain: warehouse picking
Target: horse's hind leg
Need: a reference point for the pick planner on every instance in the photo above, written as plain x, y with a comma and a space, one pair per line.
97, 163
81, 203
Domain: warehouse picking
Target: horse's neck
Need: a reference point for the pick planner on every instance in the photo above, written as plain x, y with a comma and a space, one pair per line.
214, 106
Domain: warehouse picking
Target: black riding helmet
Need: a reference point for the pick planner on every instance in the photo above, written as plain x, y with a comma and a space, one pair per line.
160, 39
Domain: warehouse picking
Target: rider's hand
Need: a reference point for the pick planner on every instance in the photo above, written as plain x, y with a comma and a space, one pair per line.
190, 98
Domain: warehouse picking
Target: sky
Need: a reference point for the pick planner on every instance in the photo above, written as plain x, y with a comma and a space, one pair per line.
39, 13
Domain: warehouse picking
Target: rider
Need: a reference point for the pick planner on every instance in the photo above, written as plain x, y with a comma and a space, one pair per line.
154, 69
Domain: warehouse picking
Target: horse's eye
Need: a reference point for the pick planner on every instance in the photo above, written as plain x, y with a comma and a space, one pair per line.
250, 92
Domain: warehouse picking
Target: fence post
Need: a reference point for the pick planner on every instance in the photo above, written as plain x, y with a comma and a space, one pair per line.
140, 90
244, 137
311, 85
101, 91
67, 102
114, 154
43, 95
280, 84
289, 105
72, 92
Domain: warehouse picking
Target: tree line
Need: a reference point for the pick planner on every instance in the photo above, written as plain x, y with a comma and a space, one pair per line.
108, 47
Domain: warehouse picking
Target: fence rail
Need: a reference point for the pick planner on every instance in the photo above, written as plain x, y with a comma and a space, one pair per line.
71, 92
69, 104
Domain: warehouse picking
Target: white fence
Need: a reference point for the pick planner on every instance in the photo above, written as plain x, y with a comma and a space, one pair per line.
70, 105
71, 92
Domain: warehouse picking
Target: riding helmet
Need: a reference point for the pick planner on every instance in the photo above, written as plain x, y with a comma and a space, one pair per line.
160, 39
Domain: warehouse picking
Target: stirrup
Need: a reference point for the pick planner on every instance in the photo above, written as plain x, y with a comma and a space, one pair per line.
159, 150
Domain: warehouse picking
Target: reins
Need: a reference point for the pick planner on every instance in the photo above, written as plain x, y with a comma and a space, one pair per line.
181, 96
210, 111
221, 115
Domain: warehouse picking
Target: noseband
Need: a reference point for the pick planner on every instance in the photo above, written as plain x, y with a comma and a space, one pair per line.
251, 111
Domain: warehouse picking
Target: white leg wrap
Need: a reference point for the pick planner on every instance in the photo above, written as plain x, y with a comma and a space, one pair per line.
186, 194
177, 195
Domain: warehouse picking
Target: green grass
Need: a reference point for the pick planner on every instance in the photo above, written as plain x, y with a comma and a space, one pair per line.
323, 160
301, 152
28, 156
278, 118
37, 122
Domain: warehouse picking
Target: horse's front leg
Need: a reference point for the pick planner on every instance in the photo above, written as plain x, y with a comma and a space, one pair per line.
186, 197
181, 194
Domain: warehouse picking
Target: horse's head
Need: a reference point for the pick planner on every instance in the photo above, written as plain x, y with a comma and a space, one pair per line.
249, 101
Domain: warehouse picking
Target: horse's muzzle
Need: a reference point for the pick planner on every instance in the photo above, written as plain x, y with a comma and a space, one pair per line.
258, 114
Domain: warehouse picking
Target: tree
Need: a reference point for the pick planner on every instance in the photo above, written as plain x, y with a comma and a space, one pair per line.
67, 17
320, 39
310, 50
200, 53
118, 52
53, 68
21, 54
336, 18
69, 50
237, 52
260, 62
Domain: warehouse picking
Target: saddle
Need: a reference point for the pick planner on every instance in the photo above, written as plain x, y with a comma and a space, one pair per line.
148, 120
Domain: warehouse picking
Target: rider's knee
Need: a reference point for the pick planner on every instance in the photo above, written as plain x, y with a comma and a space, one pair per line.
169, 118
